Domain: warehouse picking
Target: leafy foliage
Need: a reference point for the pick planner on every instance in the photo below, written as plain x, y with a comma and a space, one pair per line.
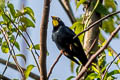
28, 70
12, 20
12, 23
108, 26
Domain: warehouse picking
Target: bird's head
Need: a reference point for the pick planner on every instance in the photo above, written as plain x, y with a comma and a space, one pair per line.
56, 21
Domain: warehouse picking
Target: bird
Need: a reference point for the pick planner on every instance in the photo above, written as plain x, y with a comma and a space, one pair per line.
62, 36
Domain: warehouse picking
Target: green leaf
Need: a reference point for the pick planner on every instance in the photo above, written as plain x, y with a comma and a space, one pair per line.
79, 3
78, 27
12, 10
27, 22
71, 77
108, 26
30, 12
1, 41
92, 76
22, 28
118, 61
110, 78
12, 40
28, 70
104, 68
17, 45
37, 47
47, 53
102, 9
101, 59
22, 56
113, 72
5, 18
110, 4
2, 3
77, 69
104, 43
30, 48
4, 47
18, 13
110, 53
101, 37
94, 69
72, 64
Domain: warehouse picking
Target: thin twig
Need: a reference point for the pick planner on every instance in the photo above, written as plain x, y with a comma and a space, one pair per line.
93, 44
109, 66
96, 22
66, 6
97, 53
6, 65
57, 59
30, 40
10, 54
23, 38
13, 66
4, 77
7, 40
111, 49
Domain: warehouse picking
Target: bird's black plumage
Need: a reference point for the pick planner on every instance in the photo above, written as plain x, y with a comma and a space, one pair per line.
63, 37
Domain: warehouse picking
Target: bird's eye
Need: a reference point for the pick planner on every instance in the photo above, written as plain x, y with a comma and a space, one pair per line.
59, 19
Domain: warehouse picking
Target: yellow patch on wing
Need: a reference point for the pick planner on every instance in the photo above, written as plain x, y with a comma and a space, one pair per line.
70, 46
75, 44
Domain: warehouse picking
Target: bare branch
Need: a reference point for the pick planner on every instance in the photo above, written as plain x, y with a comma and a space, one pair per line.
10, 50
66, 6
23, 38
97, 53
96, 22
6, 65
30, 40
13, 66
111, 49
109, 66
43, 38
93, 44
49, 73
4, 77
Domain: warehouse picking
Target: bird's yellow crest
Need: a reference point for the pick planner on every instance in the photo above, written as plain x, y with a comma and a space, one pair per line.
55, 21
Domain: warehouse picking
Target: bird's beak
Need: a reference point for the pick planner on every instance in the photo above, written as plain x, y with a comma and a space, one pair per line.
52, 17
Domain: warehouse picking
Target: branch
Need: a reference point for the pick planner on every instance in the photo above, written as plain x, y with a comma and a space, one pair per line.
49, 73
13, 66
96, 22
23, 38
10, 50
30, 40
97, 53
10, 54
109, 66
4, 77
43, 38
6, 65
66, 6
93, 44
111, 49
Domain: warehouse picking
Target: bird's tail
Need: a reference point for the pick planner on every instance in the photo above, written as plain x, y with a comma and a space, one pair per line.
80, 54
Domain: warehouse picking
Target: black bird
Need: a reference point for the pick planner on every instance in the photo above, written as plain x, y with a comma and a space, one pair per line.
63, 38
